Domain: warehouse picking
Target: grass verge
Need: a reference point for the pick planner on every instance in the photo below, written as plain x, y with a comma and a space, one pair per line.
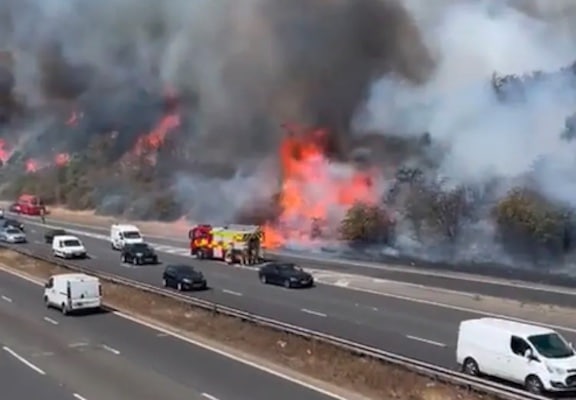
334, 369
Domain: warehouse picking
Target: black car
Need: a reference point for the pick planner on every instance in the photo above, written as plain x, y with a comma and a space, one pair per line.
183, 277
139, 253
286, 274
52, 233
5, 223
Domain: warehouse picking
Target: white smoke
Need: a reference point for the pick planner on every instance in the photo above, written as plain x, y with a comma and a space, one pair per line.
484, 137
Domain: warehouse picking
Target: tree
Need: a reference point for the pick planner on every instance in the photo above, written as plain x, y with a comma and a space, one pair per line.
442, 211
366, 224
530, 224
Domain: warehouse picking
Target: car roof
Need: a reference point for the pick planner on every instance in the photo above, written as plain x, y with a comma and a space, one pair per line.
512, 327
125, 227
75, 277
67, 237
180, 266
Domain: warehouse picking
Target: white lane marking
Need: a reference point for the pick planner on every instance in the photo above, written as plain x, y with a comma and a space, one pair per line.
75, 345
428, 341
252, 364
92, 256
23, 360
209, 396
162, 335
110, 349
50, 320
77, 396
233, 293
38, 242
8, 299
312, 312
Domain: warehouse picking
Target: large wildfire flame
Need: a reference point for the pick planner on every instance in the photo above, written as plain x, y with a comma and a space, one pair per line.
60, 160
313, 188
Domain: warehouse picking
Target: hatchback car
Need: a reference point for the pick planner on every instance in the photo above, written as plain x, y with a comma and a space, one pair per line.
12, 235
139, 253
286, 274
52, 233
183, 277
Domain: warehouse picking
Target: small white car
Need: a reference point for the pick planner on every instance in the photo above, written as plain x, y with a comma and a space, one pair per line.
122, 234
11, 234
73, 292
68, 246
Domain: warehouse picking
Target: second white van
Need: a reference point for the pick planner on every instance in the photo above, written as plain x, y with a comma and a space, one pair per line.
122, 234
538, 358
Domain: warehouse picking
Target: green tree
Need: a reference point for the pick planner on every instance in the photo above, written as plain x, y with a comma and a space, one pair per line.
442, 211
529, 223
366, 224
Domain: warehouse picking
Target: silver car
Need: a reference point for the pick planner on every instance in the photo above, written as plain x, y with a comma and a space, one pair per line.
12, 235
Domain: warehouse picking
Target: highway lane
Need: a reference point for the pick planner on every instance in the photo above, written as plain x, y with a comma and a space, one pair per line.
421, 331
18, 381
103, 356
483, 285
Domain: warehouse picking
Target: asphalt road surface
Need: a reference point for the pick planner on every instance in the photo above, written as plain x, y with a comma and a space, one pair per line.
483, 285
44, 355
422, 331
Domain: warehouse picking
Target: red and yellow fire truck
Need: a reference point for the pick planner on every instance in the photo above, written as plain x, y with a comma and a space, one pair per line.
28, 204
232, 243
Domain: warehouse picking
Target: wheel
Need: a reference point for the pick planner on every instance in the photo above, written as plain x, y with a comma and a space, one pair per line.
534, 385
263, 279
46, 302
470, 367
287, 284
64, 309
179, 287
164, 283
137, 261
124, 259
112, 246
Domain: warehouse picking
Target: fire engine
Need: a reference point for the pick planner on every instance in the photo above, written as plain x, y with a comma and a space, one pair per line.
29, 205
232, 243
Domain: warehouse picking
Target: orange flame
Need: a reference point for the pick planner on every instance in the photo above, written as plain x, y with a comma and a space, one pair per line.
4, 152
74, 118
32, 166
62, 159
312, 186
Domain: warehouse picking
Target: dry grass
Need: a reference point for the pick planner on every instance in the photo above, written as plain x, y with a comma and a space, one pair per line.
336, 370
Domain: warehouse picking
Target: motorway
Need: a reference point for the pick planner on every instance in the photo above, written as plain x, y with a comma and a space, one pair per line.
418, 330
104, 356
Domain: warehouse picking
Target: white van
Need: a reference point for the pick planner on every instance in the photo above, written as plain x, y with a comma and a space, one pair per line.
67, 246
533, 356
73, 292
121, 235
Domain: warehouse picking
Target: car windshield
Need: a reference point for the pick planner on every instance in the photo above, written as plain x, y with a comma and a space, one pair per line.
185, 270
132, 235
551, 345
290, 267
140, 247
72, 243
12, 231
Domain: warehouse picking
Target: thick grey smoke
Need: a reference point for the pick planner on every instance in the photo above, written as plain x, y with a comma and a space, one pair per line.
485, 137
247, 67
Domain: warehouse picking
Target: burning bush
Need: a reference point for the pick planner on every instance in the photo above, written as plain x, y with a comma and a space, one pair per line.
530, 224
366, 224
441, 211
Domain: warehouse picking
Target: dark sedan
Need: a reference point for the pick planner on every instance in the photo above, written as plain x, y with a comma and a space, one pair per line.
139, 254
183, 277
285, 274
52, 233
